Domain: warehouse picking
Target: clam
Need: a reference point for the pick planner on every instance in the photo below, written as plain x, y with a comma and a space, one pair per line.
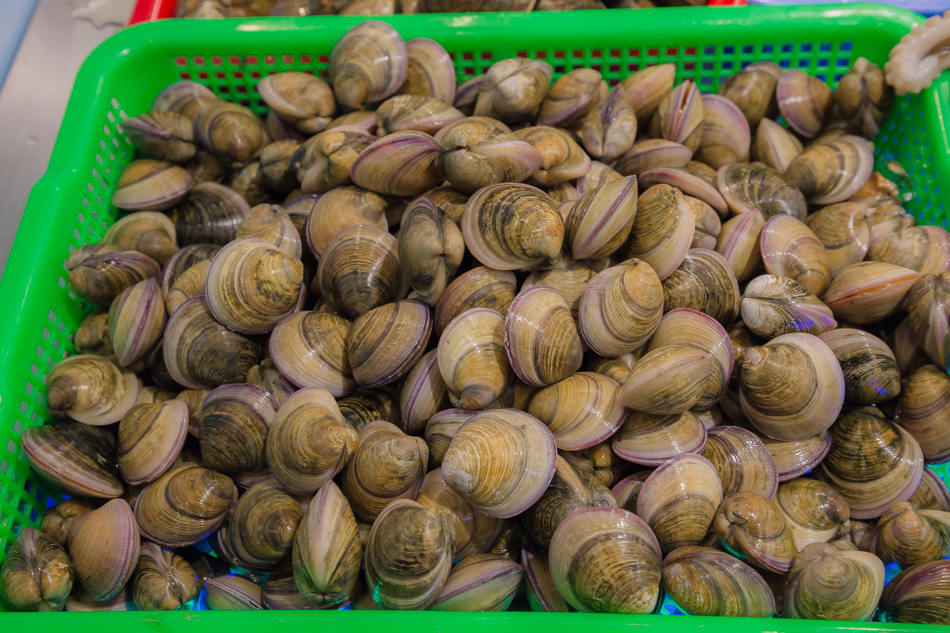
37, 574
742, 461
384, 343
651, 154
341, 208
104, 548
230, 131
309, 348
270, 223
693, 180
449, 200
600, 221
581, 410
92, 335
187, 285
90, 389
606, 560
150, 436
610, 129
805, 102
651, 440
627, 490
795, 458
925, 249
201, 353
309, 442
814, 511
922, 411
423, 394
473, 360
864, 98
772, 306
481, 582
441, 428
791, 249
541, 339
647, 87
301, 99
562, 159
327, 551
262, 528
368, 405
873, 463
82, 601
323, 162
367, 65
166, 136
148, 232
151, 185
209, 214
408, 556
704, 282
400, 164
775, 146
513, 89
501, 461
908, 535
662, 229
136, 321
598, 462
99, 273
406, 112
572, 97
726, 136
868, 292
183, 97
478, 151
568, 277
871, 375
754, 527
931, 494
708, 224
918, 595
679, 116
480, 287
233, 593
845, 230
669, 379
429, 71
679, 516
184, 505
833, 582
792, 387
927, 304
704, 581
833, 170
466, 93
598, 175
277, 171
430, 249
436, 495
183, 259
59, 519
540, 590
193, 398
738, 242
281, 592
164, 581
206, 167
752, 89
747, 187
234, 422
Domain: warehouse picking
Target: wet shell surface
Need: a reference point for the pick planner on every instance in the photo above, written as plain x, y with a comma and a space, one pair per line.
871, 375
233, 426
815, 512
480, 287
772, 306
90, 389
662, 229
367, 64
650, 440
868, 292
832, 582
480, 583
79, 458
754, 527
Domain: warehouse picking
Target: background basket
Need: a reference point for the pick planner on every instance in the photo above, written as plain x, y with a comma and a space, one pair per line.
69, 206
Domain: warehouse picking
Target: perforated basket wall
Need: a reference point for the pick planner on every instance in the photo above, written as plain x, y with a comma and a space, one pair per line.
69, 206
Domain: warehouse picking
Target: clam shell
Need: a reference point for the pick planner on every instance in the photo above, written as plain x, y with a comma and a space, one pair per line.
925, 249
151, 185
689, 183
772, 306
669, 379
513, 89
775, 146
571, 97
651, 440
512, 226
301, 99
931, 494
609, 130
481, 582
870, 369
368, 405
910, 536
831, 583
400, 164
271, 223
568, 277
164, 581
209, 214
743, 462
540, 590
233, 427
59, 519
708, 224
804, 101
791, 249
478, 151
261, 529
248, 182
781, 400
927, 304
868, 292
309, 442
81, 601
562, 159
230, 131
541, 339
183, 259
323, 161
277, 170
480, 287
187, 285
368, 64
704, 581
136, 321
90, 389
473, 360
704, 282
37, 574
281, 593
441, 428
748, 187
501, 461
653, 153
752, 89
436, 495
148, 232
384, 343
754, 527
873, 463
917, 595
606, 560
431, 248
726, 135
99, 273
415, 112
662, 229
600, 222
864, 97
598, 175
449, 200
408, 556
184, 505
647, 87
233, 593
467, 92
327, 552
627, 490
845, 230
423, 394
104, 547
77, 457
183, 97
309, 348
679, 116
738, 242
815, 512
581, 410
429, 70
797, 457
922, 412
150, 436
833, 170
92, 336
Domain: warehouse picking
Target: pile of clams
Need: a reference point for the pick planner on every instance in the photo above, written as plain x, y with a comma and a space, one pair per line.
545, 343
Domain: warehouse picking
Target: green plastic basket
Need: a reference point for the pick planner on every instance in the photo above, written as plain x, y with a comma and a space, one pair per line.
69, 207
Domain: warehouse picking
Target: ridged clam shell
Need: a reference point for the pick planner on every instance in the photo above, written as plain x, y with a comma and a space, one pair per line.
90, 389
301, 99
927, 303
541, 338
870, 369
726, 135
738, 242
501, 461
309, 442
704, 282
679, 116
677, 516
164, 581
480, 287
136, 321
37, 574
423, 394
79, 458
742, 461
923, 411
277, 170
873, 462
747, 187
910, 536
704, 581
384, 343
183, 97
323, 161
449, 200
230, 131
653, 153
775, 146
150, 436
864, 97
281, 593
845, 230
609, 130
99, 273
540, 590
562, 159
400, 164
815, 512
600, 221
571, 97
441, 428
309, 348
92, 336
431, 248
752, 89
651, 440
668, 379
513, 89
386, 465
184, 505
187, 285
436, 495
568, 277
832, 171
918, 595
59, 519
209, 214
481, 582
708, 224
781, 400
478, 151
271, 223
791, 249
473, 360
261, 530
151, 185
233, 593
513, 226
367, 64
234, 422
621, 308
415, 112
795, 458
104, 547
627, 490
925, 249
606, 560
248, 183
689, 183
148, 232
408, 556
753, 526
868, 292
804, 101
581, 410
429, 70
662, 229
327, 552
367, 405
830, 582
772, 306
647, 87
181, 260
466, 93
931, 494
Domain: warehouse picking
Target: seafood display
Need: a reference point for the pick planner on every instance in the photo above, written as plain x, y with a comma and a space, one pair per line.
526, 342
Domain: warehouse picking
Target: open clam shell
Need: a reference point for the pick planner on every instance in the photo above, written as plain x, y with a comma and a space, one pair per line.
704, 581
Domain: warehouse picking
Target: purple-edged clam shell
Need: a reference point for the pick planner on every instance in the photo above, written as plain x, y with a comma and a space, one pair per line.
687, 183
